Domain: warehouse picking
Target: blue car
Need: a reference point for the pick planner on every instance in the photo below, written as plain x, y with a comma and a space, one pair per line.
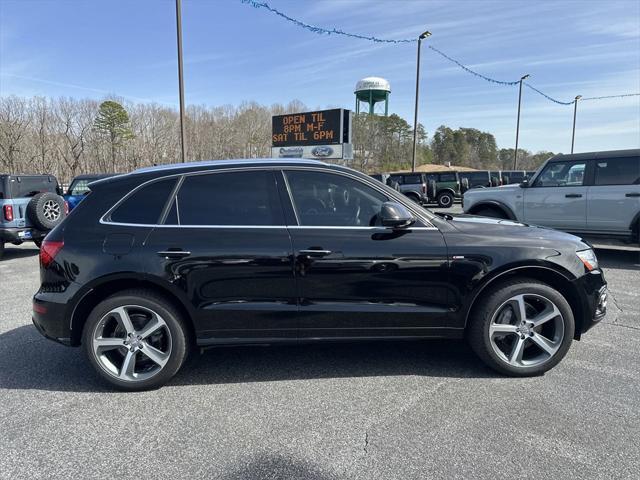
80, 187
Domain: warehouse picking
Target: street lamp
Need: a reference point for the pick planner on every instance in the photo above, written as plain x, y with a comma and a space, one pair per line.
180, 79
515, 153
415, 115
575, 111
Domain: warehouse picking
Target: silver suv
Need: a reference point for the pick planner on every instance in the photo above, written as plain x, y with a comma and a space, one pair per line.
595, 194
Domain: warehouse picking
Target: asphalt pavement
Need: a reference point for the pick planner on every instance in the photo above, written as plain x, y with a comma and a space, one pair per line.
369, 411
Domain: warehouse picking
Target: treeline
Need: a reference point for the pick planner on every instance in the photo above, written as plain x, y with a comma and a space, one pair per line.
67, 137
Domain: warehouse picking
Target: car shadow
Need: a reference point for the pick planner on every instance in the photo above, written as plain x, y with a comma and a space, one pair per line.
619, 259
10, 253
29, 361
276, 467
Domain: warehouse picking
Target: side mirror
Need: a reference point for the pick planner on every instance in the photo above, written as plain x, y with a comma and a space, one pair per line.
395, 215
525, 183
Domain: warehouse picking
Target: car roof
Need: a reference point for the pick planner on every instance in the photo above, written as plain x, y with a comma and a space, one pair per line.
228, 163
634, 152
88, 176
192, 167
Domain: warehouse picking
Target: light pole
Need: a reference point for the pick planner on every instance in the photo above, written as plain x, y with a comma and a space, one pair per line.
515, 153
575, 111
415, 114
180, 79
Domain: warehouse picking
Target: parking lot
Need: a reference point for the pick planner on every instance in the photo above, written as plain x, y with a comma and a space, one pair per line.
389, 410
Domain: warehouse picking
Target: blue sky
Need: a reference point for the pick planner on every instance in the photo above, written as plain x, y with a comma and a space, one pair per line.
234, 52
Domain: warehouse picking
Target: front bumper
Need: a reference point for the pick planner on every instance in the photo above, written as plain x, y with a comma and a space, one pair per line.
19, 235
593, 289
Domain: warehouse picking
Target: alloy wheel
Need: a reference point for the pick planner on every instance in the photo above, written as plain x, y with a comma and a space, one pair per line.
51, 210
132, 343
527, 330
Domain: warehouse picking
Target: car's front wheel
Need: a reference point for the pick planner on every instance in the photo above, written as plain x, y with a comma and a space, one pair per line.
521, 328
135, 340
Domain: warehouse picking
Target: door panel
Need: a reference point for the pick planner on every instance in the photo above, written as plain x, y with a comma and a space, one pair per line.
225, 246
354, 277
238, 286
375, 282
614, 199
558, 198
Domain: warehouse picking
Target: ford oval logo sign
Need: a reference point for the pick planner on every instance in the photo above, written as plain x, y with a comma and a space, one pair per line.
322, 151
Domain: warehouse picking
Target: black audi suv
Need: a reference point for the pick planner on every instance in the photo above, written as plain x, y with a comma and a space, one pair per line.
242, 252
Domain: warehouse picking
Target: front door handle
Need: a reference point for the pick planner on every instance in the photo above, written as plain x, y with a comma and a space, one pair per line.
635, 194
573, 195
170, 253
315, 253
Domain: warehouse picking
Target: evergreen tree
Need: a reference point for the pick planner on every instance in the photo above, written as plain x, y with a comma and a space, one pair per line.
112, 122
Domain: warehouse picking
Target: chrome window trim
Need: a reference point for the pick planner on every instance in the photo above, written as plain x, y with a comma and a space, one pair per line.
388, 192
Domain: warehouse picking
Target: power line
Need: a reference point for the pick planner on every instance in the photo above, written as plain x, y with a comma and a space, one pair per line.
326, 31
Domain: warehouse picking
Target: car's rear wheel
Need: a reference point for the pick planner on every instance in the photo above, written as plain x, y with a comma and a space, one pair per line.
135, 340
521, 328
445, 200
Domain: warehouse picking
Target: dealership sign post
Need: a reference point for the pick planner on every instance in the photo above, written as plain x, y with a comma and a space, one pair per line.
324, 134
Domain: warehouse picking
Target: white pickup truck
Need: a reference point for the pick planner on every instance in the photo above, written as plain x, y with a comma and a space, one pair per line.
595, 195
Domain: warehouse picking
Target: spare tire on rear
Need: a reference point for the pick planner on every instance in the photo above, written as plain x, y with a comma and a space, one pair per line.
46, 210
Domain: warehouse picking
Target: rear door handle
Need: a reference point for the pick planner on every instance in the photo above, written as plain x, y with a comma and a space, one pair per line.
315, 253
173, 253
573, 195
635, 194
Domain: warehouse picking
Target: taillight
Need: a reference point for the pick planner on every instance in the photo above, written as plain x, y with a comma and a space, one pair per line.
8, 212
48, 251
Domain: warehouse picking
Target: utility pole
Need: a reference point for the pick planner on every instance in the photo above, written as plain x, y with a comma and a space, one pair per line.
180, 78
515, 153
575, 111
415, 113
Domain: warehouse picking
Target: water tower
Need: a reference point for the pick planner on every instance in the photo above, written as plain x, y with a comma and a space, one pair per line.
372, 90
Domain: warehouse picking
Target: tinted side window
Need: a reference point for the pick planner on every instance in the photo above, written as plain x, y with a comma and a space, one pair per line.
412, 179
233, 198
562, 174
145, 205
79, 187
30, 186
326, 199
617, 171
447, 177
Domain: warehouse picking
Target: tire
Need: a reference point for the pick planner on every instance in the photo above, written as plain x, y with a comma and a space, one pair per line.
445, 200
491, 212
105, 329
46, 210
510, 348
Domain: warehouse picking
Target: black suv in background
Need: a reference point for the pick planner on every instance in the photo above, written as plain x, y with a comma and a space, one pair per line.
30, 206
153, 263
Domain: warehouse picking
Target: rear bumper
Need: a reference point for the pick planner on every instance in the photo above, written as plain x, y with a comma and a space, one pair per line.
50, 318
19, 235
593, 286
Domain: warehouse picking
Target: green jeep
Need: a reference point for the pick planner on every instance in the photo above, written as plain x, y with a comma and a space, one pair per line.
447, 187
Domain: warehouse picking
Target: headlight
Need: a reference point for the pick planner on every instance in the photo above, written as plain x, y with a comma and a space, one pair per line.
588, 257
